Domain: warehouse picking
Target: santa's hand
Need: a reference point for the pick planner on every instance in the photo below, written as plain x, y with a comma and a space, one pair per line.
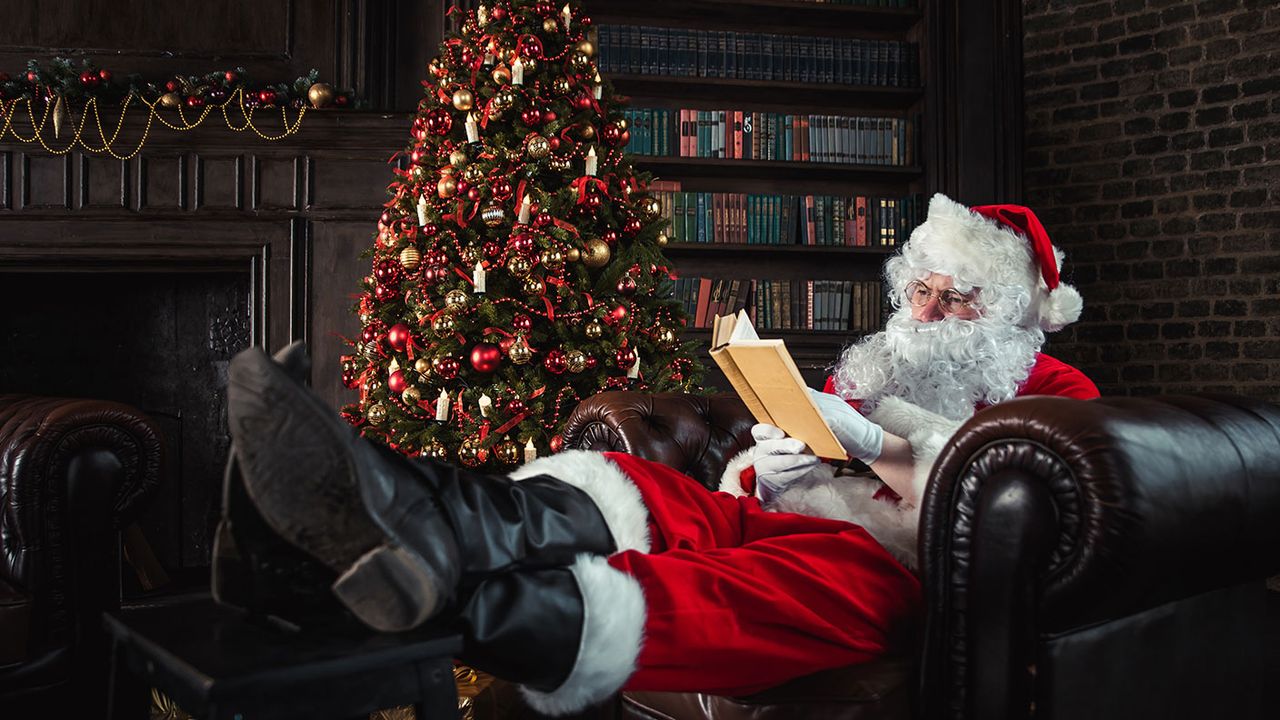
781, 460
860, 437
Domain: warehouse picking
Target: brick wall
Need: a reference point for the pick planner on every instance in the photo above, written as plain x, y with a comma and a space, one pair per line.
1152, 149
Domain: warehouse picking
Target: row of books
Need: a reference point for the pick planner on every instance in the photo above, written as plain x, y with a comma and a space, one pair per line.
866, 3
842, 305
683, 52
857, 221
748, 135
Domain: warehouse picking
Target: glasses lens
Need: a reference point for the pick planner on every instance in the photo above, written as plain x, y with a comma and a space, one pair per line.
952, 302
918, 294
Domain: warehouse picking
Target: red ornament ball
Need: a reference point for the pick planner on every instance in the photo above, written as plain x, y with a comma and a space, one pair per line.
542, 220
555, 362
545, 9
89, 79
486, 357
350, 379
593, 202
612, 134
170, 86
610, 237
531, 47
446, 367
522, 322
104, 76
632, 227
388, 272
438, 122
492, 249
557, 443
592, 362
554, 144
617, 316
515, 407
383, 293
230, 77
627, 285
502, 188
267, 97
371, 332
549, 116
396, 382
531, 117
522, 243
473, 194
430, 229
625, 357
398, 336
582, 102
419, 156
499, 13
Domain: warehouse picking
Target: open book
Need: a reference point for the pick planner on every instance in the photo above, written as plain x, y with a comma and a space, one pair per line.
770, 384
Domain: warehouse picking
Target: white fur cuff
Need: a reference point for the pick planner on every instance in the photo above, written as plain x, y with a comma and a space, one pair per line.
613, 615
609, 488
731, 478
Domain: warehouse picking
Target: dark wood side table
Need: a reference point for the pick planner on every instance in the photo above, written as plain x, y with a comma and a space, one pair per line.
216, 663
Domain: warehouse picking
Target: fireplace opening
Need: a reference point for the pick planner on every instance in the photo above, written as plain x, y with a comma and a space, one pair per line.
159, 341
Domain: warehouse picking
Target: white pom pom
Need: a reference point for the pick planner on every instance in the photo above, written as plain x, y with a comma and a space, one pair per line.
1060, 309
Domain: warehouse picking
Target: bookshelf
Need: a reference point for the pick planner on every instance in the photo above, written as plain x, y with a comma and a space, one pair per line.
676, 87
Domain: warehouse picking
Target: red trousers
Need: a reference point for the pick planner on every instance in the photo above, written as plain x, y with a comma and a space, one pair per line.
739, 599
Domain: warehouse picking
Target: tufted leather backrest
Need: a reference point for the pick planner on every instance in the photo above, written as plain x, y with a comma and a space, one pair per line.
696, 435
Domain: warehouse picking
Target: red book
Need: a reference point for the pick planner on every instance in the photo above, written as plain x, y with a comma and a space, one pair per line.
737, 135
704, 300
860, 222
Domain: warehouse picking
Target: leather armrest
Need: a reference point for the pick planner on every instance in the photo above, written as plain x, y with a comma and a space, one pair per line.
71, 473
15, 624
1045, 515
696, 435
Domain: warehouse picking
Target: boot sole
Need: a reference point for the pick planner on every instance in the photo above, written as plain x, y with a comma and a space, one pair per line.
298, 469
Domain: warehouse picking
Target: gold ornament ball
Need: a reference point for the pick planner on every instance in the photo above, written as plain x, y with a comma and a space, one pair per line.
455, 300
552, 259
519, 352
538, 147
377, 413
562, 86
445, 81
550, 25
595, 330
170, 101
320, 95
411, 396
418, 173
410, 258
447, 187
530, 67
667, 338
458, 158
587, 131
586, 47
471, 254
504, 99
422, 366
507, 453
502, 75
435, 451
473, 174
493, 215
463, 99
621, 123
471, 454
663, 239
533, 286
573, 255
580, 61
576, 361
559, 164
519, 266
370, 350
652, 207
596, 254
443, 325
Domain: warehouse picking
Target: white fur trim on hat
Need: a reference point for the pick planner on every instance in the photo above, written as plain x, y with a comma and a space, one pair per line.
613, 615
610, 489
977, 251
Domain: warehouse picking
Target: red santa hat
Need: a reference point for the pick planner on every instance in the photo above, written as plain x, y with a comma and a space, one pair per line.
995, 245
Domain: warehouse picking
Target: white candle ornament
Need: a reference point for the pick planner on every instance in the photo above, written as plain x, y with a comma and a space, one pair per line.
486, 404
517, 72
530, 452
566, 15
473, 132
524, 210
422, 210
478, 277
442, 406
591, 162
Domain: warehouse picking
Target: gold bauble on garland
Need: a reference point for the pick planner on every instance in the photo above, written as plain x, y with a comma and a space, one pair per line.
595, 330
520, 352
662, 239
443, 326
533, 286
410, 258
471, 454
519, 266
573, 255
170, 101
463, 99
320, 95
596, 254
537, 147
586, 47
455, 300
422, 366
447, 187
502, 75
550, 25
576, 361
562, 86
506, 453
651, 206
667, 338
493, 215
435, 451
458, 158
411, 396
473, 174
552, 259
377, 413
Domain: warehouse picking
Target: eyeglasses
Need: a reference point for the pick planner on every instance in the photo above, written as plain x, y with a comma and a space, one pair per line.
949, 301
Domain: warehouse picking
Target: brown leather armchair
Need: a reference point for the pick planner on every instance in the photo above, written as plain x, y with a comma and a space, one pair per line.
72, 472
1100, 559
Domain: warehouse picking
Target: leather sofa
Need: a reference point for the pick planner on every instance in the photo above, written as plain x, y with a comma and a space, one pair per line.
1080, 559
72, 473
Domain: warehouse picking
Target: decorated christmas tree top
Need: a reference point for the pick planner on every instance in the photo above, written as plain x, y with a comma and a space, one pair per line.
517, 267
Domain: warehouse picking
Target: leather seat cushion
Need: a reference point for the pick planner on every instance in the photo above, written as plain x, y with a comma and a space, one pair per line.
15, 624
880, 690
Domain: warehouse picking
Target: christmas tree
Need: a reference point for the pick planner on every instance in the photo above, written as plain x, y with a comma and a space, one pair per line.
517, 268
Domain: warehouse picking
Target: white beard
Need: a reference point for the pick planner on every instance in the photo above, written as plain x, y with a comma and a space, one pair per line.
946, 366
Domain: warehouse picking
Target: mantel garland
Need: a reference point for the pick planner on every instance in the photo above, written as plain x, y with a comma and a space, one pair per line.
47, 95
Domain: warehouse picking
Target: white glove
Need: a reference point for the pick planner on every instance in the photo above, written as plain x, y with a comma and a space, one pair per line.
781, 460
860, 437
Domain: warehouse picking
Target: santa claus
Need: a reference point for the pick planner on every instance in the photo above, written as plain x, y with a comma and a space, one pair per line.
584, 573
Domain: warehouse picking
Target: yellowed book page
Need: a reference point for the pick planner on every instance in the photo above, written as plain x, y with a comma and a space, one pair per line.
769, 371
740, 384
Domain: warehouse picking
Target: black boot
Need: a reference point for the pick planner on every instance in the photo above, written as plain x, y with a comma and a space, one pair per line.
570, 636
400, 535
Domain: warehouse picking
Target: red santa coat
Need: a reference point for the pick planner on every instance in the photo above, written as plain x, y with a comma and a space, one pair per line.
714, 593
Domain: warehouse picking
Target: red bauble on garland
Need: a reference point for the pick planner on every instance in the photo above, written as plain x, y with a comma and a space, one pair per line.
372, 332
396, 382
542, 220
531, 47
522, 243
557, 443
438, 122
383, 293
515, 407
388, 272
610, 237
617, 316
398, 336
531, 116
522, 323
267, 97
632, 227
625, 357
612, 134
627, 285
486, 357
554, 362
446, 367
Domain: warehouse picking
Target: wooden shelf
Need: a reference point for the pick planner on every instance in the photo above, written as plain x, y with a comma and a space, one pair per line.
686, 248
777, 16
709, 92
772, 169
